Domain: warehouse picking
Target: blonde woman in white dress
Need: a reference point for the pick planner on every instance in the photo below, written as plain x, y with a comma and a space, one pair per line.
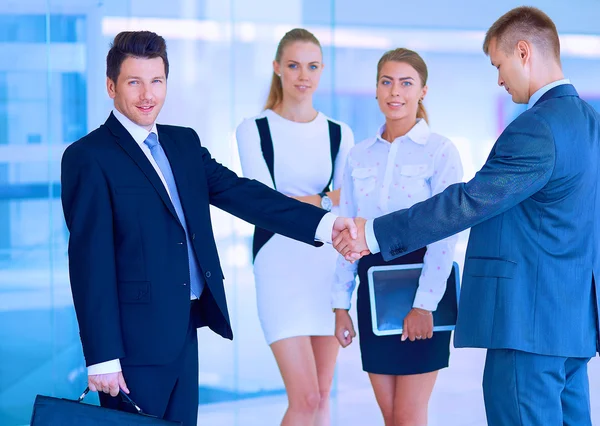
299, 151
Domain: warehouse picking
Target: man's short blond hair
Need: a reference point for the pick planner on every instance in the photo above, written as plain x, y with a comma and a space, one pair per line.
524, 23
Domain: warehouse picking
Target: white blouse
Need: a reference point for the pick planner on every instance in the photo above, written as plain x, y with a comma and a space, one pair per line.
382, 177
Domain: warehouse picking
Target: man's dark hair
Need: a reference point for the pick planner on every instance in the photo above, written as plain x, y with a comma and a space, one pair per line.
136, 44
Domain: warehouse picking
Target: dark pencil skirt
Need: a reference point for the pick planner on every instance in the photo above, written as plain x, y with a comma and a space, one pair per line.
389, 354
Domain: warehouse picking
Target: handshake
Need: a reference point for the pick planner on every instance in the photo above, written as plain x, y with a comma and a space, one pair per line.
348, 238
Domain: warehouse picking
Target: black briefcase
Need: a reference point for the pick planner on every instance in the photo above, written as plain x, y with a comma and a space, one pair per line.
49, 411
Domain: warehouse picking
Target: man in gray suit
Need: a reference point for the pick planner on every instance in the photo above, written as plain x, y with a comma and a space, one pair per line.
528, 292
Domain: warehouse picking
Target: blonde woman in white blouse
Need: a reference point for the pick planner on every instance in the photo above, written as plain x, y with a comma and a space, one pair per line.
292, 147
405, 163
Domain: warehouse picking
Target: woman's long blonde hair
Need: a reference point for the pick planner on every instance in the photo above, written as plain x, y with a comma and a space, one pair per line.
297, 34
413, 59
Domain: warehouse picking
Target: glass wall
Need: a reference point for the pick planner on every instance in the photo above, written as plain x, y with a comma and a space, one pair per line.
43, 107
52, 92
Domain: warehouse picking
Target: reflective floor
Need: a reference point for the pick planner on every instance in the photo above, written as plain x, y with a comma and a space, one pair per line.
456, 401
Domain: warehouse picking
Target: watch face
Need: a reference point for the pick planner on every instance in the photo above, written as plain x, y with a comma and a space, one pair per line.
326, 203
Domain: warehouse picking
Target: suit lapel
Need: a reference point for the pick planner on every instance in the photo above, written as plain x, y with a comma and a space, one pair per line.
178, 164
131, 147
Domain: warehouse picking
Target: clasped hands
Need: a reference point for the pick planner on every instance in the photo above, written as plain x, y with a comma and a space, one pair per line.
417, 325
349, 239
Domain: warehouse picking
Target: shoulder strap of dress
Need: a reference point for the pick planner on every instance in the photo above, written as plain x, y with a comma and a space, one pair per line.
335, 140
266, 145
262, 236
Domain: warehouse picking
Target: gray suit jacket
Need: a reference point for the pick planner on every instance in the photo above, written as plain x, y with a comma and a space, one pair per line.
533, 253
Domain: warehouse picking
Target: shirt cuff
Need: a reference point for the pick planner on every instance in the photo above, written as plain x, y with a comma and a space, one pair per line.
372, 243
325, 228
427, 301
341, 300
113, 366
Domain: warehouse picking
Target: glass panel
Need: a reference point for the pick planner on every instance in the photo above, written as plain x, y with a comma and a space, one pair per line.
43, 354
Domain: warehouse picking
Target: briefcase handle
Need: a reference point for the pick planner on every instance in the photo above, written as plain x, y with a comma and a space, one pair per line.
127, 398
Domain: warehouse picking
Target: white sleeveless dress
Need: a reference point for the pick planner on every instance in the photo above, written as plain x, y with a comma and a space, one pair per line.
293, 279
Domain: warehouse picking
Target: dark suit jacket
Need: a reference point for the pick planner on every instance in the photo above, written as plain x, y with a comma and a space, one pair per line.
534, 209
128, 260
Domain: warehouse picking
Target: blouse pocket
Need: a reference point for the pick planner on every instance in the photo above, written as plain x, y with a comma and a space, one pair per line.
414, 170
414, 179
365, 179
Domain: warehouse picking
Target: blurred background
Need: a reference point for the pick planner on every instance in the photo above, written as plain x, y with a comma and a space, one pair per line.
52, 92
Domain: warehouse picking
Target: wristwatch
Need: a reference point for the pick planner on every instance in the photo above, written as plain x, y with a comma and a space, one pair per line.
326, 203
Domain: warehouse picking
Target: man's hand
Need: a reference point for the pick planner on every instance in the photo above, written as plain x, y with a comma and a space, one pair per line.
108, 383
341, 224
344, 329
352, 248
418, 324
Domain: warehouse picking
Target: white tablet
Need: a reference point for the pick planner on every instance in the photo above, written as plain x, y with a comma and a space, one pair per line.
392, 289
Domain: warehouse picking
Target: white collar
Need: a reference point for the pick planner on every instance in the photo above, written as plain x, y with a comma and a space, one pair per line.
419, 133
137, 132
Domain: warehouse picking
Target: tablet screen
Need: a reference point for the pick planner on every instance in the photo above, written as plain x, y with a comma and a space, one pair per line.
393, 288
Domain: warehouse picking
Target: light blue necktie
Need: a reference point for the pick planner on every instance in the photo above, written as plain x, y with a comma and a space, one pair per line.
196, 283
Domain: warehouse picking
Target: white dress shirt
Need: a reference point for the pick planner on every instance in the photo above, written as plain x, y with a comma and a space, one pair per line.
382, 177
139, 134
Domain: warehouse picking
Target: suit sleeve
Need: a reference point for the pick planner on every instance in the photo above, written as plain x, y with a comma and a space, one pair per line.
521, 163
88, 213
258, 204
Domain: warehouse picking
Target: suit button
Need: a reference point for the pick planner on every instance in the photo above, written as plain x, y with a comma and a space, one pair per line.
184, 284
180, 244
193, 236
208, 274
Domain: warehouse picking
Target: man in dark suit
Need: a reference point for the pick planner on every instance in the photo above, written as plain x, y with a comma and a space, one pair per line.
528, 292
143, 262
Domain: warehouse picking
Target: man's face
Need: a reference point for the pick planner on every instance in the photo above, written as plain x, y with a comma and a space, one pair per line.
140, 90
513, 72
